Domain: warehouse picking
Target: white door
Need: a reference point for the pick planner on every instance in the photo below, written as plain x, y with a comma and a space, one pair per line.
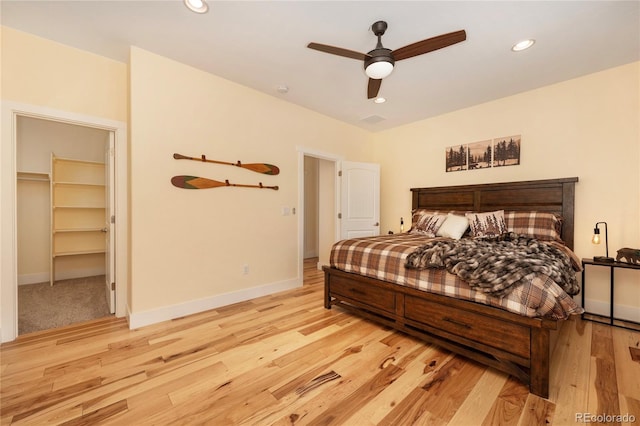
360, 200
109, 224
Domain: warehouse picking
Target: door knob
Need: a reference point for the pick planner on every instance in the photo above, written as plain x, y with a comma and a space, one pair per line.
376, 224
104, 229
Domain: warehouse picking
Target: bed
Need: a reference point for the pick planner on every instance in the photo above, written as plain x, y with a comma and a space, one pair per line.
489, 333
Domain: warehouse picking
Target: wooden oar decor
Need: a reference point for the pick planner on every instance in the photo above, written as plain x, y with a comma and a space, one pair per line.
195, 182
264, 168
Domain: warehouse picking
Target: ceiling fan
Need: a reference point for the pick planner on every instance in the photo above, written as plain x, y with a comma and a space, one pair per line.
379, 62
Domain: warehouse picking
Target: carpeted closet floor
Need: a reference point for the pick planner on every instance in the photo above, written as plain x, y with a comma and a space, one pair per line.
41, 306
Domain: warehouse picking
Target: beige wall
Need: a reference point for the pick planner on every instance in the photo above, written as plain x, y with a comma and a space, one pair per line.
38, 138
190, 245
587, 127
37, 71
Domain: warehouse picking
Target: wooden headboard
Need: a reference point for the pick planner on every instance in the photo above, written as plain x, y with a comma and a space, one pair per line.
550, 195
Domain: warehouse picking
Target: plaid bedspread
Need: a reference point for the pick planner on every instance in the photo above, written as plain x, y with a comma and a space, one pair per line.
383, 257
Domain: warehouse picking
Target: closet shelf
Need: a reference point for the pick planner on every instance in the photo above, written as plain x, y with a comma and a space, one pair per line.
78, 212
78, 207
55, 231
33, 176
70, 183
78, 252
79, 162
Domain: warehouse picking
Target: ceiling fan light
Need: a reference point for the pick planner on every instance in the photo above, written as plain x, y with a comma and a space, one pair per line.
197, 6
379, 70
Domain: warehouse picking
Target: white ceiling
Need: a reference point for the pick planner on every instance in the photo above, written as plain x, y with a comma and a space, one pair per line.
262, 44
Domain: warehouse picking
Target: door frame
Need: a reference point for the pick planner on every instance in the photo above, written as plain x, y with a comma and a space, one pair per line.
8, 205
336, 159
110, 202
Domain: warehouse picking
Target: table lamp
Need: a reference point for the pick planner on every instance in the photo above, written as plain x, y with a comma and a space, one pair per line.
596, 240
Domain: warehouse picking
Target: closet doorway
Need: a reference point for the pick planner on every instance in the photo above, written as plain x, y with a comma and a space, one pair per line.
63, 223
317, 222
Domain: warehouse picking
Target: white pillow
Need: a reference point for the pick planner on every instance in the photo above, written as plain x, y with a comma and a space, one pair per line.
453, 227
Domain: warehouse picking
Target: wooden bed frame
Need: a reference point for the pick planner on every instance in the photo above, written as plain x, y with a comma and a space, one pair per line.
506, 341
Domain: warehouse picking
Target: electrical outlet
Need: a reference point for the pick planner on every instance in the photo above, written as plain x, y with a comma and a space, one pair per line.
245, 269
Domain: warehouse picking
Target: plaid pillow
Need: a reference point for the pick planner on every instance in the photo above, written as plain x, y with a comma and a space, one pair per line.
540, 225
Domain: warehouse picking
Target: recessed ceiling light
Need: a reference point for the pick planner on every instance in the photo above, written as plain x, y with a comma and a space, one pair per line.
522, 45
379, 100
197, 6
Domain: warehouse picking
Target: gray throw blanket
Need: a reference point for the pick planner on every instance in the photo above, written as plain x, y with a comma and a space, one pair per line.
494, 265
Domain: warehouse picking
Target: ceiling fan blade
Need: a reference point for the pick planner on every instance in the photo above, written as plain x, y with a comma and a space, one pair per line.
338, 51
429, 45
373, 88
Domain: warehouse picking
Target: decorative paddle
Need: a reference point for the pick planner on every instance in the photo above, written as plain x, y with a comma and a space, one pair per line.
195, 182
267, 169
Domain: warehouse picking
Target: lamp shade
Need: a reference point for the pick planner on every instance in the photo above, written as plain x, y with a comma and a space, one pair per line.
379, 70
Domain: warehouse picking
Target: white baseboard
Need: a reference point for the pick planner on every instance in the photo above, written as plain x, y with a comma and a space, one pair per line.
141, 319
624, 312
42, 277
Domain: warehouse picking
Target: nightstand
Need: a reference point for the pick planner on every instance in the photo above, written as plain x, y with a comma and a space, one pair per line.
611, 319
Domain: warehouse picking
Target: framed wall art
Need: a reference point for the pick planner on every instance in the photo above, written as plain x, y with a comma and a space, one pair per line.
498, 152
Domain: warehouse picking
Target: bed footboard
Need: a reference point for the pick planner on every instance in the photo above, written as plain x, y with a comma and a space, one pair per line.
508, 342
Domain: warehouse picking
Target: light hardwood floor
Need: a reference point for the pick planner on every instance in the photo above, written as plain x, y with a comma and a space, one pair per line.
284, 359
